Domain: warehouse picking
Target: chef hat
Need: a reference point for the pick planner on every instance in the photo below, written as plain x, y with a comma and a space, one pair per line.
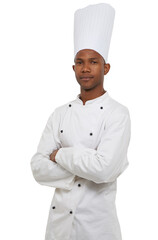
93, 28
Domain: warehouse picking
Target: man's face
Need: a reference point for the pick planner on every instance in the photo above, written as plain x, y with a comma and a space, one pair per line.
90, 69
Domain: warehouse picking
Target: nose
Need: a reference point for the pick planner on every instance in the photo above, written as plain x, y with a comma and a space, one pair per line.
85, 67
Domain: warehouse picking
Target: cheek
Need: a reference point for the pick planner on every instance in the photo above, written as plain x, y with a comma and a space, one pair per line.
77, 71
77, 74
99, 71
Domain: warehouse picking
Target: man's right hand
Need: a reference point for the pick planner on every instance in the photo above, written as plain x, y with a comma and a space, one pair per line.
53, 154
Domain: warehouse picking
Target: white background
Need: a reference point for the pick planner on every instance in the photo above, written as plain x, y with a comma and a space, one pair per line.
36, 76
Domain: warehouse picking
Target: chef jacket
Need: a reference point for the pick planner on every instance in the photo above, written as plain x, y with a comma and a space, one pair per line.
93, 141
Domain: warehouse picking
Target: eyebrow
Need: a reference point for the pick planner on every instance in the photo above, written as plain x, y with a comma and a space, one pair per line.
83, 59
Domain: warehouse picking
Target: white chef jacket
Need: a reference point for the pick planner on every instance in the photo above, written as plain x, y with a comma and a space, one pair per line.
93, 141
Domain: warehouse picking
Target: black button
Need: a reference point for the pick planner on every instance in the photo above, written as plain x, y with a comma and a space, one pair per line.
53, 207
79, 185
69, 105
61, 131
71, 212
101, 107
91, 134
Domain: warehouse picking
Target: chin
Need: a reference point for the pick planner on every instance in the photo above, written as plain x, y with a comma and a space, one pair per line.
86, 87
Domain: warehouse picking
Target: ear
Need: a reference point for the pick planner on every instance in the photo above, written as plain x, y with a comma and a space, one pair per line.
73, 67
106, 68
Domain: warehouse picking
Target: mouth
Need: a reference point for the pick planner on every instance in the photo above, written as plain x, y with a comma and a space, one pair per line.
86, 78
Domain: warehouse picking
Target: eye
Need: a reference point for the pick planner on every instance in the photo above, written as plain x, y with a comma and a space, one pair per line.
94, 62
78, 63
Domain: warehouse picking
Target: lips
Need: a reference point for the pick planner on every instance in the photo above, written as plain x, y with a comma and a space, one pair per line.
86, 78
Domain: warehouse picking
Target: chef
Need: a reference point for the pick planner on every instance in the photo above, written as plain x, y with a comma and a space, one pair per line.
83, 148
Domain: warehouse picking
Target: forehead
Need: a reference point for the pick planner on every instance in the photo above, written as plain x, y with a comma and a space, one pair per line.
88, 53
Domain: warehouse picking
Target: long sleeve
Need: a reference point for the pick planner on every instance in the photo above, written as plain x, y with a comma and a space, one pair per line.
44, 170
109, 160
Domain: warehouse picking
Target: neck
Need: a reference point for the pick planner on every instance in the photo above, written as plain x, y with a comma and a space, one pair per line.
89, 95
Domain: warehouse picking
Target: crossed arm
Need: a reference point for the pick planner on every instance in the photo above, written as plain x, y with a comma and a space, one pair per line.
47, 172
61, 165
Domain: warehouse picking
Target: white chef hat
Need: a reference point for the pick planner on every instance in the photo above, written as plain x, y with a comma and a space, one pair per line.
93, 28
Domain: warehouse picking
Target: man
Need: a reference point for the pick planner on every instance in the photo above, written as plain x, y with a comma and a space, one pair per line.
83, 148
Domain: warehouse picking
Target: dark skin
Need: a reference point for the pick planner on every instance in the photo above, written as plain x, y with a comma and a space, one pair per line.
89, 63
90, 68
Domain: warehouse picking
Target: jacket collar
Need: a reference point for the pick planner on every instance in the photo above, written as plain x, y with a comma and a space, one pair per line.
97, 100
